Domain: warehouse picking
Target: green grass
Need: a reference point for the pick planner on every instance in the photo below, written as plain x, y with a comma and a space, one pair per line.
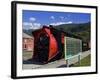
84, 62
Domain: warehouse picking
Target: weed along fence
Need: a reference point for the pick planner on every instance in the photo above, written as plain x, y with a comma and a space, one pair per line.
72, 49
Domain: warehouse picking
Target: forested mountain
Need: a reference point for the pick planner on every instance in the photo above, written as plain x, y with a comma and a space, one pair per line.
82, 30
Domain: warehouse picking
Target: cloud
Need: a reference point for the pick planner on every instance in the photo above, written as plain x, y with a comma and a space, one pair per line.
29, 25
60, 23
52, 17
32, 19
70, 22
61, 17
36, 26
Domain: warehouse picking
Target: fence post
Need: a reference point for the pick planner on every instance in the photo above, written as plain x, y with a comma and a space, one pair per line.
79, 57
79, 60
65, 51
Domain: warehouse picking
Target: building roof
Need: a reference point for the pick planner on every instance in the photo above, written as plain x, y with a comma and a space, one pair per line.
26, 35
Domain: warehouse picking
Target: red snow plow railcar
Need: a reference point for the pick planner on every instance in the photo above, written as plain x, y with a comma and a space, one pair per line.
46, 45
